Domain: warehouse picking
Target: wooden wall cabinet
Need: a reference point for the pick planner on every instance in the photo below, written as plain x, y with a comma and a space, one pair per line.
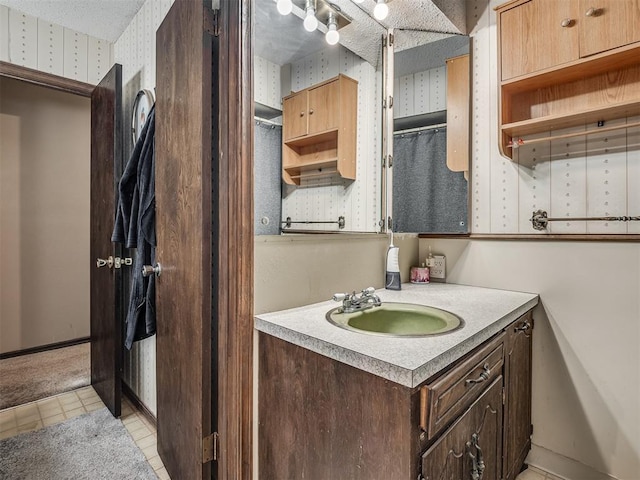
564, 64
319, 128
322, 419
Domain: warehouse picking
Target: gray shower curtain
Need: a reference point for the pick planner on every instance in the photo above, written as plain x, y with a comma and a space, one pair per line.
267, 178
427, 196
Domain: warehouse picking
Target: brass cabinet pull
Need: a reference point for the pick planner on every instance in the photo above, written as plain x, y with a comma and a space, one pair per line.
484, 376
311, 112
567, 22
302, 114
593, 12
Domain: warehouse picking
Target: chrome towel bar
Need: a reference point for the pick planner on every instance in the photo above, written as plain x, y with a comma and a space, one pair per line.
288, 222
539, 220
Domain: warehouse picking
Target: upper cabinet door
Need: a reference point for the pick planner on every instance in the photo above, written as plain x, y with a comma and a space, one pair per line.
538, 34
324, 107
295, 115
608, 24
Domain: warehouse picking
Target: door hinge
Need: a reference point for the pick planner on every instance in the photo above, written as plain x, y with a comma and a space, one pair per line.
211, 18
391, 39
210, 448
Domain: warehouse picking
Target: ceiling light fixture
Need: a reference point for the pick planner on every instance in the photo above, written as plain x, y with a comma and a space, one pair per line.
332, 36
284, 7
310, 21
381, 10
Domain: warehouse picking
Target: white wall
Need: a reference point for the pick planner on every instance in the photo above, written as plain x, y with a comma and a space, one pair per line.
135, 50
31, 42
45, 160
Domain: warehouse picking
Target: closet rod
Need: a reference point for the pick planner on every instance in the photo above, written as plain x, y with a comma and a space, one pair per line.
520, 142
420, 129
287, 223
268, 122
539, 219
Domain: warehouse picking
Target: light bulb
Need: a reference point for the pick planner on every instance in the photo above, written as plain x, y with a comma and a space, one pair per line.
332, 36
310, 21
381, 10
284, 7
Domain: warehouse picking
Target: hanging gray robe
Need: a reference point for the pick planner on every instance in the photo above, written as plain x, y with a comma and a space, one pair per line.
135, 228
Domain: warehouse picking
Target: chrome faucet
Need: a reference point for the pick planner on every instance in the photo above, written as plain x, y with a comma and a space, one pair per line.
351, 302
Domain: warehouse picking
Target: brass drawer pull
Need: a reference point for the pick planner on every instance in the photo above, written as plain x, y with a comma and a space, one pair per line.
567, 22
484, 376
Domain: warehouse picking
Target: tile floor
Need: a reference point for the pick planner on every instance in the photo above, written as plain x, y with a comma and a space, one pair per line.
56, 409
52, 410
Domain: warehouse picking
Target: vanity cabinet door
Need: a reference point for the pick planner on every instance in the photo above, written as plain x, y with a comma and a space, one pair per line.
294, 115
608, 24
517, 414
472, 447
538, 34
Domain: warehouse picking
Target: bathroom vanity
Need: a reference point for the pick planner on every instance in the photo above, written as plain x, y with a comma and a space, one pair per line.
338, 404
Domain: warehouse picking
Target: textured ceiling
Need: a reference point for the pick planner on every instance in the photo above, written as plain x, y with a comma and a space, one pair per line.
416, 22
104, 19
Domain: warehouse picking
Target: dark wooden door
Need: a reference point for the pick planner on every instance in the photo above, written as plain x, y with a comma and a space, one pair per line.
184, 236
476, 434
517, 414
106, 291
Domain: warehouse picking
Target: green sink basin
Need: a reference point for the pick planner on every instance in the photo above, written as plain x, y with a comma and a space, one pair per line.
397, 320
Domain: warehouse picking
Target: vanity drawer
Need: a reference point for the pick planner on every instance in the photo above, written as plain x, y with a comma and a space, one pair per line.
444, 399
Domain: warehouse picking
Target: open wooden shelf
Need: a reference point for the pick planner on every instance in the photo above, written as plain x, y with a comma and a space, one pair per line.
560, 121
587, 91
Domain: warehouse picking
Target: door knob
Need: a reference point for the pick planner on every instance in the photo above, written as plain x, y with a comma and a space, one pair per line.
101, 262
148, 270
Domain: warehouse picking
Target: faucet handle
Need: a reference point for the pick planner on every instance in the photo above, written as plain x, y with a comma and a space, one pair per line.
338, 297
369, 291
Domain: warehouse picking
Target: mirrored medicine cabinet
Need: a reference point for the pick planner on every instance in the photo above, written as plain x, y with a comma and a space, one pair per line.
426, 195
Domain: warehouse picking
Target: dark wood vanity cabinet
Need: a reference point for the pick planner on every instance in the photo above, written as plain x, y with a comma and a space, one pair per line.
322, 419
517, 408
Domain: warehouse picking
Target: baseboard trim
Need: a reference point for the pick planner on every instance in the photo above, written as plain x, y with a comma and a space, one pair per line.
45, 348
133, 397
563, 467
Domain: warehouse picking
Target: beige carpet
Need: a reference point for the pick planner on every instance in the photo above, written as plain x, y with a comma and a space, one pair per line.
32, 377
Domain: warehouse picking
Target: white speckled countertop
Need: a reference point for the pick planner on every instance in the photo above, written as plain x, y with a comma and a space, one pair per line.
407, 361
